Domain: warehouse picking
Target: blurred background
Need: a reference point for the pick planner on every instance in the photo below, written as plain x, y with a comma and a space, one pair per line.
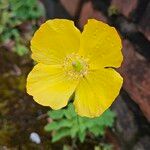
25, 125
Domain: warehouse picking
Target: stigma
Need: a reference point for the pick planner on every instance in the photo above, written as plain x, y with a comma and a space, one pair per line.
75, 66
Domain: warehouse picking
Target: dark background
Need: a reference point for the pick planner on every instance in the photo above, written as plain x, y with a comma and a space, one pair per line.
20, 115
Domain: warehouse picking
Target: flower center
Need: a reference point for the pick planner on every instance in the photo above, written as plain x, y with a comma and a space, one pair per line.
75, 66
78, 65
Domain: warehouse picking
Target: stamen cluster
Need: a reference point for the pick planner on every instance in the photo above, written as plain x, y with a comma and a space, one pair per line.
75, 66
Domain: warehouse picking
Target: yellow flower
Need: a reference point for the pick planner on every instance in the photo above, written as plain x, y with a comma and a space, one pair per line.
70, 61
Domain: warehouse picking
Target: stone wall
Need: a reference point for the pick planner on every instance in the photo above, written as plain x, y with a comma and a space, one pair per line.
132, 20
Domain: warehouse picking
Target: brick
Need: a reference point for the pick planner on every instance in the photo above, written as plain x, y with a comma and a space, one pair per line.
89, 12
99, 16
125, 125
125, 7
135, 71
71, 6
144, 25
143, 143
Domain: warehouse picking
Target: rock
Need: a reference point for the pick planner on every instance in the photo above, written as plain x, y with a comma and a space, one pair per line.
86, 13
125, 7
126, 126
129, 30
89, 12
34, 137
71, 6
144, 25
54, 9
135, 71
99, 16
112, 139
143, 144
127, 27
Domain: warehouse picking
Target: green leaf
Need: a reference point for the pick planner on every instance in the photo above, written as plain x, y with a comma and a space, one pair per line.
107, 118
58, 125
89, 123
51, 126
21, 50
82, 136
64, 123
56, 114
77, 127
5, 17
1, 28
74, 130
60, 134
15, 34
97, 130
81, 124
70, 112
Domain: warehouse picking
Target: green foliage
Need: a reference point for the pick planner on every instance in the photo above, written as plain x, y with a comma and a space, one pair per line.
67, 123
103, 147
13, 13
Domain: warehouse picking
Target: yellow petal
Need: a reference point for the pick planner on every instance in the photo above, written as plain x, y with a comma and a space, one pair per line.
101, 44
96, 92
49, 86
54, 40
